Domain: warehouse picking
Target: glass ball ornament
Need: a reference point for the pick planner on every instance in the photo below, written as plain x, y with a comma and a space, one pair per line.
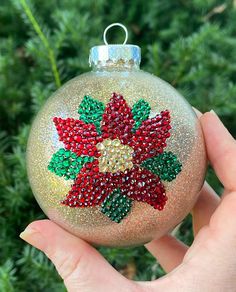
116, 156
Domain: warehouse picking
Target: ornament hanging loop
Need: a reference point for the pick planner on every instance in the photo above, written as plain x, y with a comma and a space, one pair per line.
115, 24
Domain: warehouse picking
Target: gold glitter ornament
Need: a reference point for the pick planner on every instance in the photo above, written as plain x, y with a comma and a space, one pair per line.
116, 156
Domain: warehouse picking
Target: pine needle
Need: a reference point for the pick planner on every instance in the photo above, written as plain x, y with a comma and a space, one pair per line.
38, 30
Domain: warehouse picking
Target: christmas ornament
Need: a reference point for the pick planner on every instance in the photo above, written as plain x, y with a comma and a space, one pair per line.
116, 156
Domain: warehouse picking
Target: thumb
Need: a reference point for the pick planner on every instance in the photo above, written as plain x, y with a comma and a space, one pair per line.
80, 265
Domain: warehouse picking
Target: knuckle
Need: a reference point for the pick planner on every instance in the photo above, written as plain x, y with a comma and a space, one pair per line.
68, 267
66, 264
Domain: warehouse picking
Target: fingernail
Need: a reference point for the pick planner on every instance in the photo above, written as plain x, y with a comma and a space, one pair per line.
33, 237
213, 112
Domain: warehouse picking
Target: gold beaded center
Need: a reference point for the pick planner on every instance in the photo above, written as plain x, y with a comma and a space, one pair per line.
114, 156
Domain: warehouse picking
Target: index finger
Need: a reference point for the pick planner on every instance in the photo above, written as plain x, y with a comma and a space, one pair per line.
221, 149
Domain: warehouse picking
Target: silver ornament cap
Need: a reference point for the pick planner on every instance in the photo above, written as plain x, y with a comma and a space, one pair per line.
125, 54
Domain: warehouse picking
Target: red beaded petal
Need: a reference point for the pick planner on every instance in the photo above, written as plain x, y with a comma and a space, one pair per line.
77, 136
149, 139
142, 185
91, 186
117, 120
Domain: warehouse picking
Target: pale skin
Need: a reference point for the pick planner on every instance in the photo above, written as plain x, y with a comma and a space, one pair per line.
209, 264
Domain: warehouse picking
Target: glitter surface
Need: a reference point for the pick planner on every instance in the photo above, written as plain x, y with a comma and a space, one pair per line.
143, 222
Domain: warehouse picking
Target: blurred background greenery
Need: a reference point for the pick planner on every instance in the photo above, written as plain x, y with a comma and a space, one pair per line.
190, 44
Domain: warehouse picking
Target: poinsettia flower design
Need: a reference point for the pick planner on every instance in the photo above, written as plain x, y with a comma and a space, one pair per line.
115, 155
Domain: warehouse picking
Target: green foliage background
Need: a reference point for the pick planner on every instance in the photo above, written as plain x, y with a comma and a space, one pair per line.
191, 44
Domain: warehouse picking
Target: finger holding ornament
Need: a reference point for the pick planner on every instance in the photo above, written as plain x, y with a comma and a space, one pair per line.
205, 206
207, 202
80, 265
221, 149
168, 251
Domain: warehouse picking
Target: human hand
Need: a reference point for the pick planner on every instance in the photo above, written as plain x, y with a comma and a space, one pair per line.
208, 265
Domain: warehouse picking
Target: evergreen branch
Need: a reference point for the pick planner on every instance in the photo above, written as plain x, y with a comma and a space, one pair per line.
44, 40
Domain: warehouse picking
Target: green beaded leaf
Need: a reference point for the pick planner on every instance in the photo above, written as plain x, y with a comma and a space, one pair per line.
91, 111
67, 164
116, 206
140, 111
165, 165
